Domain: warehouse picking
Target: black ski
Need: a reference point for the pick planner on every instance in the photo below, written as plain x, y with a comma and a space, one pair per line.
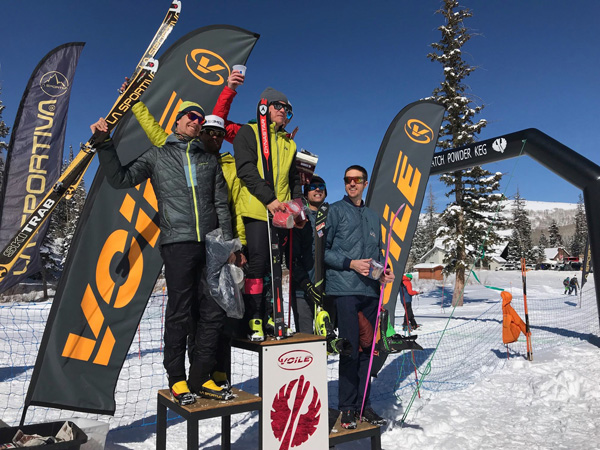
276, 270
73, 174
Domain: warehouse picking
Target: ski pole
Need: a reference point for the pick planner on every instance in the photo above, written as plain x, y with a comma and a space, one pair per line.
290, 283
527, 329
381, 293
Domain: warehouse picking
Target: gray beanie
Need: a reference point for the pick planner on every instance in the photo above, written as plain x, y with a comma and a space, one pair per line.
274, 96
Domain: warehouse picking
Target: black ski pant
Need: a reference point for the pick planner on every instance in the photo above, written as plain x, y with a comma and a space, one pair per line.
304, 312
259, 265
190, 309
353, 369
409, 316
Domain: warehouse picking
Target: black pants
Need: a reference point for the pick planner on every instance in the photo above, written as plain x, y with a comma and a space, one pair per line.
190, 309
409, 316
353, 369
259, 265
304, 312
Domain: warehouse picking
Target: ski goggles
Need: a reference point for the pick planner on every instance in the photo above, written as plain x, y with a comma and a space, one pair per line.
193, 116
287, 108
211, 133
357, 180
315, 186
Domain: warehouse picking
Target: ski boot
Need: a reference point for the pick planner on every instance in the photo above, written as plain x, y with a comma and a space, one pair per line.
270, 329
221, 380
348, 420
390, 341
371, 416
323, 327
180, 392
212, 391
256, 329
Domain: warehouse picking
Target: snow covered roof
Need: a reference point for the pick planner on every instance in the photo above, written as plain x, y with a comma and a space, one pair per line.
427, 266
552, 253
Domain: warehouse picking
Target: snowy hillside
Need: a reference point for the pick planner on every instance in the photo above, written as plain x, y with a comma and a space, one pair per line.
541, 214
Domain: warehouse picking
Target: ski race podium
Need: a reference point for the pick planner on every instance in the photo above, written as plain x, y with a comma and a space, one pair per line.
292, 402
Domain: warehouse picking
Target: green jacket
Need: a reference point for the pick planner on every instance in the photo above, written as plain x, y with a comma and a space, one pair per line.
255, 192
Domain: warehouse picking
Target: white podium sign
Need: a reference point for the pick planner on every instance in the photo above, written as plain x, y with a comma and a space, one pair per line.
295, 411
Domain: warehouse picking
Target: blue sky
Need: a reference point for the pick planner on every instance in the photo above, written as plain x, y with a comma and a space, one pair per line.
348, 68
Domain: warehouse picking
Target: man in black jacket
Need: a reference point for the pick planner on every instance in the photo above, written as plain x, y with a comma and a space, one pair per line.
304, 294
192, 201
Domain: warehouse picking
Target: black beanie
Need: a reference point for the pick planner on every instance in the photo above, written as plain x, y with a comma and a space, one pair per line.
274, 96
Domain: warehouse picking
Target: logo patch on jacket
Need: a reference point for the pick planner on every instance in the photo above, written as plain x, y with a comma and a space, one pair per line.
372, 233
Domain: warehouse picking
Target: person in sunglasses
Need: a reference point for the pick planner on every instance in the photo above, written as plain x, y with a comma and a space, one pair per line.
352, 240
258, 198
192, 200
304, 295
157, 135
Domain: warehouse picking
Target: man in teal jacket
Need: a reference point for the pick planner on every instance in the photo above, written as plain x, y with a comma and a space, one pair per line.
353, 239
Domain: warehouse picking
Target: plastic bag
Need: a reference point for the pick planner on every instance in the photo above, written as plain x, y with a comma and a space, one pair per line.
221, 283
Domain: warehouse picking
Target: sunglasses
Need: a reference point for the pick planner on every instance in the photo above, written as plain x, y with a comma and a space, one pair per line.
287, 108
211, 133
315, 186
193, 116
357, 180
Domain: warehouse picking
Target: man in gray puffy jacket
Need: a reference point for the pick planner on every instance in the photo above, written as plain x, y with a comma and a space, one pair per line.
192, 201
353, 239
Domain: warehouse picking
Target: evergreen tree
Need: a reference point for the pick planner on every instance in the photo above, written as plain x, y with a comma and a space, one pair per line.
542, 245
63, 223
554, 238
577, 246
461, 226
426, 232
520, 244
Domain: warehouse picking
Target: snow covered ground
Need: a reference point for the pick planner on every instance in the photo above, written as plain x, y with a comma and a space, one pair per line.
471, 397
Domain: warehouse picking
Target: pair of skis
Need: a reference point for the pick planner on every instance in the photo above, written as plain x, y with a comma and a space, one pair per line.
69, 180
274, 247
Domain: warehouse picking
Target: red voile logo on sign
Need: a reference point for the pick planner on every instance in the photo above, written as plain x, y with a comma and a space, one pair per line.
294, 418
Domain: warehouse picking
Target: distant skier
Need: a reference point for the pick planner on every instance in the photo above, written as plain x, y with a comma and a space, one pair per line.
566, 285
573, 285
406, 295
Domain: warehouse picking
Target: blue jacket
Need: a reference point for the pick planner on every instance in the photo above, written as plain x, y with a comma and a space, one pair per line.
352, 232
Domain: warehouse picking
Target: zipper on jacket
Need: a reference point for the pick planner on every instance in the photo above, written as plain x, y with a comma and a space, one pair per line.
187, 154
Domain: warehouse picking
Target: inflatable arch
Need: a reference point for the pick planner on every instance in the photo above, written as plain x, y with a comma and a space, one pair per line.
560, 159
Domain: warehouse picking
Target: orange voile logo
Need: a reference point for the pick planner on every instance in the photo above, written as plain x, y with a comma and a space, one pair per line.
418, 131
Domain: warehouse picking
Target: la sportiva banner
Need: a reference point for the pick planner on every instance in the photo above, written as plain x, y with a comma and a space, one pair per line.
34, 156
400, 176
114, 259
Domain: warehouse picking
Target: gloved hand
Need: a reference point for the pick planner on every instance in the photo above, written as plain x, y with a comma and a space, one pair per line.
313, 293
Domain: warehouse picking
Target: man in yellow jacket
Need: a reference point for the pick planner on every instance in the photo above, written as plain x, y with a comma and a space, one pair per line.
258, 197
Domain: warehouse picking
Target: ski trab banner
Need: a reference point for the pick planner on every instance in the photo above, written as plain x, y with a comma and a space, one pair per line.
114, 258
35, 151
400, 176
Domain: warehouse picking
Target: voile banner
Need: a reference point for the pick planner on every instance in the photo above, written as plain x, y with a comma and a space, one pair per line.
114, 259
400, 176
34, 156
